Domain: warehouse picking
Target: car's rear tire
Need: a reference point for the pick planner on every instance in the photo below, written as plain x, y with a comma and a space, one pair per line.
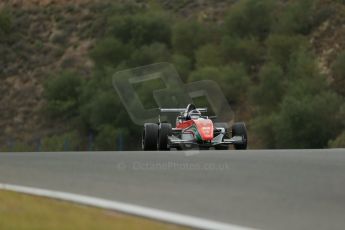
164, 132
239, 129
150, 137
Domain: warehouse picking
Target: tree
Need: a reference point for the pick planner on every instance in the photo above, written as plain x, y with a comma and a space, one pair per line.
62, 94
338, 71
281, 47
183, 65
233, 80
106, 138
296, 17
141, 28
248, 51
69, 141
110, 52
307, 122
268, 94
148, 54
208, 55
249, 18
5, 22
187, 36
101, 109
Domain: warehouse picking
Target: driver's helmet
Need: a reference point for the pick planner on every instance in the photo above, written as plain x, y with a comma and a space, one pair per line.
194, 114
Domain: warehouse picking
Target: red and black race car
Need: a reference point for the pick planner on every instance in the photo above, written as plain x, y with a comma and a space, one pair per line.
192, 130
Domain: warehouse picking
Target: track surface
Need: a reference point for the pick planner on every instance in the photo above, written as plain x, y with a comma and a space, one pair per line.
267, 189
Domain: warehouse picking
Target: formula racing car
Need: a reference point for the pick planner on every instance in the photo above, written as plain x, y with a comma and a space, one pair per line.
192, 130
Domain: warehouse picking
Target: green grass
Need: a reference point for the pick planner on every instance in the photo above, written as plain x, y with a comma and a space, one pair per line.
18, 212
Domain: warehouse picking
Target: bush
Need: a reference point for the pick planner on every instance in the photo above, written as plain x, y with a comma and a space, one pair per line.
141, 28
148, 54
299, 110
110, 52
69, 141
249, 18
5, 23
61, 93
187, 36
268, 93
209, 72
208, 55
281, 47
247, 51
303, 76
17, 146
338, 72
106, 138
102, 109
296, 17
339, 142
235, 83
232, 79
307, 122
183, 65
263, 129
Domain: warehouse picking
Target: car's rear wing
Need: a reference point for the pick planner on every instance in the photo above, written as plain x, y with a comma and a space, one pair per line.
180, 110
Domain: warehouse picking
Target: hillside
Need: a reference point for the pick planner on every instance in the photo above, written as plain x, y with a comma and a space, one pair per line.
44, 37
54, 35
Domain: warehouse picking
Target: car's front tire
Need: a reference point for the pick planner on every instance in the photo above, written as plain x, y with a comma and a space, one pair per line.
164, 132
239, 129
150, 137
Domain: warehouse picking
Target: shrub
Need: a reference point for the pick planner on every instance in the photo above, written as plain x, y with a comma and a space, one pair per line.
208, 55
106, 138
338, 142
110, 52
69, 141
183, 65
101, 110
249, 18
141, 28
304, 76
232, 79
281, 47
187, 36
263, 128
268, 93
148, 54
17, 146
308, 121
208, 72
61, 93
338, 72
248, 51
5, 23
296, 17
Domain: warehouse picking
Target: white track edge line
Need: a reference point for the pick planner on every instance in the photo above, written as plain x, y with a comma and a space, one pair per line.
151, 213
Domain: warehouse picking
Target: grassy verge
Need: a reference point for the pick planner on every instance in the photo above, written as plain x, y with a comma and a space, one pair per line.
18, 211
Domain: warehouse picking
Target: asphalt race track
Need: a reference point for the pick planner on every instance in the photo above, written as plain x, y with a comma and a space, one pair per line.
265, 189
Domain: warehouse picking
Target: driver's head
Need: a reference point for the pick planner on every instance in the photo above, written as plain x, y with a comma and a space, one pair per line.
194, 114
